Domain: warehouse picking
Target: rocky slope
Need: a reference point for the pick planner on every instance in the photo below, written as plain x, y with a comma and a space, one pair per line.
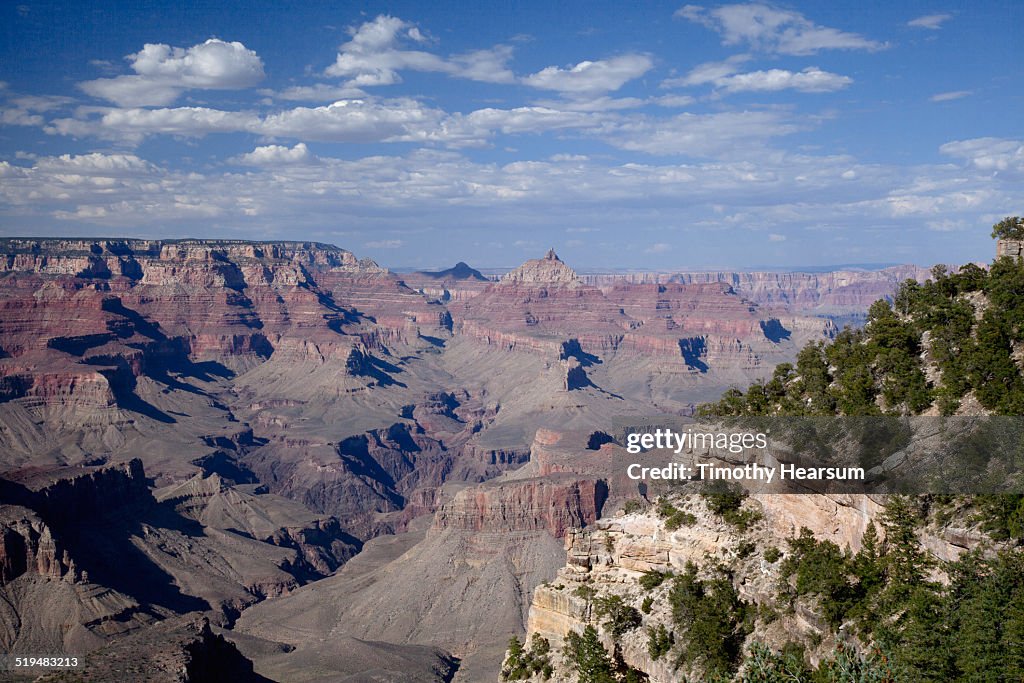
611, 558
89, 554
488, 544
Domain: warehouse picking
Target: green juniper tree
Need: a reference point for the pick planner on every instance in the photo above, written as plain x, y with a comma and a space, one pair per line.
1010, 228
588, 656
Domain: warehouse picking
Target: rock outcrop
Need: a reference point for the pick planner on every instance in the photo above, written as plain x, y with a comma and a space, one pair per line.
458, 283
175, 651
27, 546
575, 375
609, 557
547, 270
321, 544
554, 504
1010, 248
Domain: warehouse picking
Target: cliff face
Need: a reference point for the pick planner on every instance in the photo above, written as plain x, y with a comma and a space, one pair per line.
544, 304
226, 299
37, 501
27, 546
538, 306
84, 319
91, 329
608, 559
73, 495
1010, 248
44, 573
95, 545
552, 504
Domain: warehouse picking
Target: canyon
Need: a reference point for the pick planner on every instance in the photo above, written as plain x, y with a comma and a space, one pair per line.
281, 459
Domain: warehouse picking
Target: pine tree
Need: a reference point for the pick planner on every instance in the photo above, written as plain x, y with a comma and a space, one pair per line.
867, 563
977, 609
589, 657
847, 666
513, 665
905, 563
764, 665
815, 379
922, 640
1012, 641
619, 617
1010, 228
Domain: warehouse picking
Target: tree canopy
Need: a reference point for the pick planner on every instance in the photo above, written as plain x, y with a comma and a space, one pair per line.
1010, 228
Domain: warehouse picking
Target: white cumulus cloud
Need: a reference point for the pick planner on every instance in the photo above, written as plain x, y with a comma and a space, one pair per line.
163, 72
722, 133
378, 50
342, 121
725, 76
708, 72
591, 77
354, 121
318, 92
811, 79
276, 155
134, 124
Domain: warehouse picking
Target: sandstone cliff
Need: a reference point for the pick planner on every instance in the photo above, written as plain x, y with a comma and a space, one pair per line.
610, 557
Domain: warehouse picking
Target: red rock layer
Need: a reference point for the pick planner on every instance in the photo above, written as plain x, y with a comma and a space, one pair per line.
73, 331
553, 504
538, 306
543, 306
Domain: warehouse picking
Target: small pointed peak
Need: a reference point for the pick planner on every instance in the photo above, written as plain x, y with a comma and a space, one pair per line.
549, 270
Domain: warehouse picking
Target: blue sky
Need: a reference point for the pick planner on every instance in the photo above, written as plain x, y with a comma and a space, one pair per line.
665, 136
